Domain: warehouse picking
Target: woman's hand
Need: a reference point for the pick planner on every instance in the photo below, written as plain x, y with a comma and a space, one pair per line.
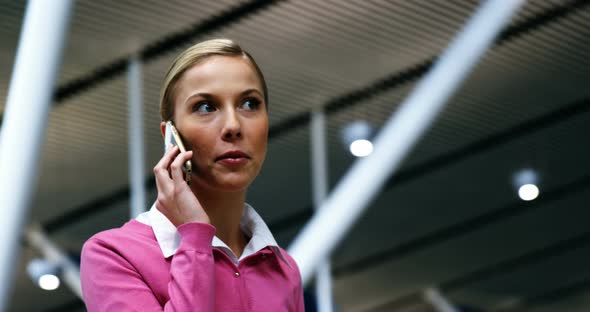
175, 198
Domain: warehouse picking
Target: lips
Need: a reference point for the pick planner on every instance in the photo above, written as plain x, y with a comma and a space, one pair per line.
232, 155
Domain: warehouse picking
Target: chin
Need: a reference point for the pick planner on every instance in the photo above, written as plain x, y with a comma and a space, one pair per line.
232, 183
238, 183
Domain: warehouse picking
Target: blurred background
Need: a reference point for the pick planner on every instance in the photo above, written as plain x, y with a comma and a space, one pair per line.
450, 218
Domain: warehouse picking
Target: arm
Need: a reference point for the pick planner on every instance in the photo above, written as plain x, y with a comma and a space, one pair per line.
297, 283
299, 299
299, 293
111, 283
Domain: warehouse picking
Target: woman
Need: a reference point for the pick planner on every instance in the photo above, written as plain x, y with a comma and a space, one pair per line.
200, 247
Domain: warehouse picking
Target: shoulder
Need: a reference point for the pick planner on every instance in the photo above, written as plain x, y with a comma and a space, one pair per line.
291, 263
130, 234
131, 230
288, 258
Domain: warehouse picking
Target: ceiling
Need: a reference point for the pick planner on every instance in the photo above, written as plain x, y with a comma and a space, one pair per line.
449, 218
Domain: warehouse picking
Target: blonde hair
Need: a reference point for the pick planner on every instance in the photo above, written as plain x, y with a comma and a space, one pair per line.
194, 55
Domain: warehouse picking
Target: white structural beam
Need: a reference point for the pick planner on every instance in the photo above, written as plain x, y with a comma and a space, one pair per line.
70, 270
25, 118
136, 149
323, 281
366, 177
438, 301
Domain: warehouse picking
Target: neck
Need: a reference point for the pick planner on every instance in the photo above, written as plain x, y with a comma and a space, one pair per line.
225, 210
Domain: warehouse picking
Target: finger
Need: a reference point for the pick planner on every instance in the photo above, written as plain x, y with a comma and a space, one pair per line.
168, 157
163, 180
177, 164
164, 183
164, 163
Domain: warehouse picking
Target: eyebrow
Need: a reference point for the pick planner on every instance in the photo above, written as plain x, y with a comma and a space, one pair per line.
200, 94
209, 95
251, 91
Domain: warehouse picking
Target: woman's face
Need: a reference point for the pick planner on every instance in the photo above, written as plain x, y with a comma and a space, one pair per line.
221, 114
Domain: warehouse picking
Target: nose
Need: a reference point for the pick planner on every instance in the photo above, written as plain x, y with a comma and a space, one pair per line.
232, 128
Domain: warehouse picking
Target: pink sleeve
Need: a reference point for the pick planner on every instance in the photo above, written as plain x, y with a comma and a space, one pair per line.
299, 292
296, 277
111, 283
299, 298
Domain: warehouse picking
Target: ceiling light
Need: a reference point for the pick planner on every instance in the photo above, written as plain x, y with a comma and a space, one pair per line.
526, 183
48, 282
528, 192
357, 137
44, 273
361, 148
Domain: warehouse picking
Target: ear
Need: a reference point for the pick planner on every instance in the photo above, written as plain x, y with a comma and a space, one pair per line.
163, 129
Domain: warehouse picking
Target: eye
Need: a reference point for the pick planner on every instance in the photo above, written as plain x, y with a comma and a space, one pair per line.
203, 107
251, 103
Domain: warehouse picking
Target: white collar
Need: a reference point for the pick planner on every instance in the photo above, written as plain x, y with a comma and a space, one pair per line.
251, 224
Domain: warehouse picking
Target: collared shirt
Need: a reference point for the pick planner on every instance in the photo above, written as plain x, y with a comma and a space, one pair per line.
250, 223
131, 269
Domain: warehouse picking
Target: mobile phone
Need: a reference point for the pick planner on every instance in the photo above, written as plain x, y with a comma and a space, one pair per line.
172, 138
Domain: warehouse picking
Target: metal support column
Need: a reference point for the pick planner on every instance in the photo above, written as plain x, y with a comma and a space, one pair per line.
320, 190
25, 118
136, 151
363, 181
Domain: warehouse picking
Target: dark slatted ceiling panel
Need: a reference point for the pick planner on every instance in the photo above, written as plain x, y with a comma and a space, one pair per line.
103, 32
11, 15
